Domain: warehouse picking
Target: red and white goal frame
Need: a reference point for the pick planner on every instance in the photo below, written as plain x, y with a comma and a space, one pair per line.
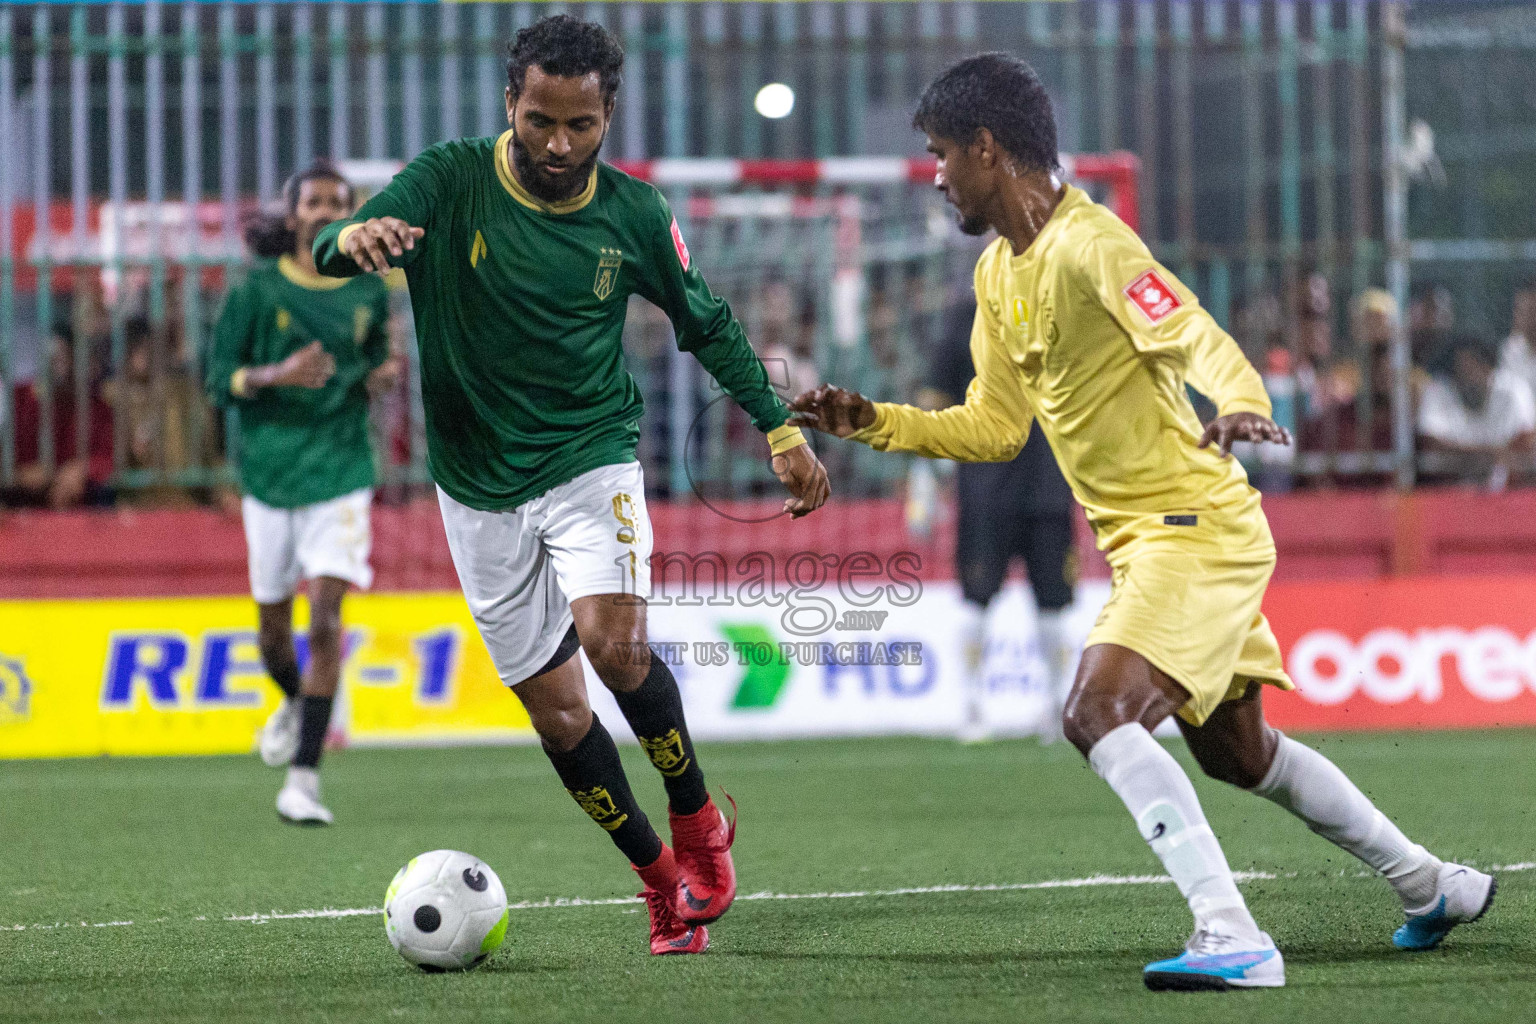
1117, 173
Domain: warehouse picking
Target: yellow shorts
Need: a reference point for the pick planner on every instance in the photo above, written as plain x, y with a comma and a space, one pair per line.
1187, 599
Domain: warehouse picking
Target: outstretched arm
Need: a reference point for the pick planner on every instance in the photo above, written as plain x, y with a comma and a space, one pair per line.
991, 426
705, 326
385, 231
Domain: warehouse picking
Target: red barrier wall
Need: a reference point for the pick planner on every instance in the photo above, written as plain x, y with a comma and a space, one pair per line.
1337, 536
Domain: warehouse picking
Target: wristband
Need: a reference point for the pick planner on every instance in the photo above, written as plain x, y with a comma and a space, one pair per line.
237, 382
343, 235
782, 439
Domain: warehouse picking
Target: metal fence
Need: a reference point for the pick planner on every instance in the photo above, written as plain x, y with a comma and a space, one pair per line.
134, 134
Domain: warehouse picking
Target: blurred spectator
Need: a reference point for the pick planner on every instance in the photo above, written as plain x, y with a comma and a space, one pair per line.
1483, 416
1519, 353
791, 363
1325, 383
79, 473
1431, 319
155, 400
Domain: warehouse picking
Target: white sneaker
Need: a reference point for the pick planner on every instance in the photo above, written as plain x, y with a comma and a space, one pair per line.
1215, 961
1462, 895
299, 800
278, 740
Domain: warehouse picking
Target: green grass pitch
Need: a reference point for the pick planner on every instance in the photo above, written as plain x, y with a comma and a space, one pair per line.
180, 846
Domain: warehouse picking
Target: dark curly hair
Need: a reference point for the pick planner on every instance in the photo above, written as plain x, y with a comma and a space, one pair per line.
998, 92
568, 47
267, 233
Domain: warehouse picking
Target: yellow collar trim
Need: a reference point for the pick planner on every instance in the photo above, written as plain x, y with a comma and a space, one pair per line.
516, 191
289, 268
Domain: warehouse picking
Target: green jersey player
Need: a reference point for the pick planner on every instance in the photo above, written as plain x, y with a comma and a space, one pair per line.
295, 355
521, 252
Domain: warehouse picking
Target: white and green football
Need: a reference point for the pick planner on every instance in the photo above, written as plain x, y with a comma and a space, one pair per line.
445, 911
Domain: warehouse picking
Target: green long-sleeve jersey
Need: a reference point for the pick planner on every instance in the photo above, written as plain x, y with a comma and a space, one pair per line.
519, 308
299, 446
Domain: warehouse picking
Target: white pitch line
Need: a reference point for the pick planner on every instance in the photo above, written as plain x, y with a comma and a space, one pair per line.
851, 894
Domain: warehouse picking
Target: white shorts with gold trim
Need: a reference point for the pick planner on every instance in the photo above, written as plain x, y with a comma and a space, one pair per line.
521, 569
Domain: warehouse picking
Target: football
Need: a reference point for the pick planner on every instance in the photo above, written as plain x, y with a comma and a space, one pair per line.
445, 911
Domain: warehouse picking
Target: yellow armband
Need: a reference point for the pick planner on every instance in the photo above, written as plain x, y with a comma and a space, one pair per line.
237, 383
782, 439
343, 235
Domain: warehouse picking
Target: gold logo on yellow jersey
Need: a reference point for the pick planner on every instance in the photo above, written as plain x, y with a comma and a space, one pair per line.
1020, 313
284, 319
608, 264
478, 250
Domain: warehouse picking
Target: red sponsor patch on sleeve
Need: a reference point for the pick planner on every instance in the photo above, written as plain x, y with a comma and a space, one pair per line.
1153, 296
679, 244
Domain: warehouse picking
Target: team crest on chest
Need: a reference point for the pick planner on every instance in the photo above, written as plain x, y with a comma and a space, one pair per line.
284, 319
362, 319
608, 263
1020, 313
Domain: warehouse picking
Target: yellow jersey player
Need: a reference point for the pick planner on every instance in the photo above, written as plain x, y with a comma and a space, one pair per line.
1080, 330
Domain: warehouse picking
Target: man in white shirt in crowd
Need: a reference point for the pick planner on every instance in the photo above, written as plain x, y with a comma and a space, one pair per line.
1519, 353
1481, 416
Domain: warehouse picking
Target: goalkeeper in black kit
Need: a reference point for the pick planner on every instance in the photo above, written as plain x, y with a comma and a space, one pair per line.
520, 253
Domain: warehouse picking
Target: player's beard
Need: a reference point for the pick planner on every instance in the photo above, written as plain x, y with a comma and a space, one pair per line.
972, 225
552, 188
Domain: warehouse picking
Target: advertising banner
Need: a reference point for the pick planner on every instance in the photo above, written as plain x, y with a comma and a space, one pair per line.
1425, 653
183, 676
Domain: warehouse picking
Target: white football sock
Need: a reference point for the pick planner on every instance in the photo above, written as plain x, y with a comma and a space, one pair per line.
973, 639
1311, 787
1160, 797
1056, 651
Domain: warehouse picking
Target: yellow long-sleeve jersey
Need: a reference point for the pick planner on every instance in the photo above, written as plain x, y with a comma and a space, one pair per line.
1088, 335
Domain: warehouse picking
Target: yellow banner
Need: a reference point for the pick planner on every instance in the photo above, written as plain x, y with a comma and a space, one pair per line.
183, 676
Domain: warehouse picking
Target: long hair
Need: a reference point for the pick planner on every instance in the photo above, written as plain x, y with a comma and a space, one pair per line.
266, 231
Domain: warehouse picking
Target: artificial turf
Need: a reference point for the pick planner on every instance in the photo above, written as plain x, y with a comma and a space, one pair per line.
179, 846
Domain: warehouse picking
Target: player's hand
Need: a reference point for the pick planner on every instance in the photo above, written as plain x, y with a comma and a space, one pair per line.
385, 377
832, 410
1242, 426
310, 367
802, 473
380, 238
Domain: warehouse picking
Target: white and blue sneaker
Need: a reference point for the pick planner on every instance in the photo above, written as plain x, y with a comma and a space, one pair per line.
1215, 962
1462, 895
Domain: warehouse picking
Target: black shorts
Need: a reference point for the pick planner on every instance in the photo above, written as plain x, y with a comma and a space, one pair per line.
989, 538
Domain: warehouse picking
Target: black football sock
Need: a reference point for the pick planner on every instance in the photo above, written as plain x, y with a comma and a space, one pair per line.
655, 712
314, 720
283, 667
594, 776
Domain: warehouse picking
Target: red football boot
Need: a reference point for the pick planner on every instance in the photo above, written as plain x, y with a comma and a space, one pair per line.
707, 876
669, 934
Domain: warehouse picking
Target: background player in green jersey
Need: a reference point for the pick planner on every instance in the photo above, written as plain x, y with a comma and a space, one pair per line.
521, 253
296, 356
